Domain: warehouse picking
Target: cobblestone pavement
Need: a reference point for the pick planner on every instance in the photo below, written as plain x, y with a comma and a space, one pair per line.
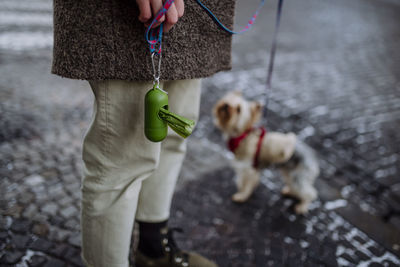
336, 83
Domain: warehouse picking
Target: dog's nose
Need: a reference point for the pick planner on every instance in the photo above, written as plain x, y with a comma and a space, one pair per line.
224, 107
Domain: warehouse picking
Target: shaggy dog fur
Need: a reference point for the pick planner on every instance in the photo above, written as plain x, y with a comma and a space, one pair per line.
297, 162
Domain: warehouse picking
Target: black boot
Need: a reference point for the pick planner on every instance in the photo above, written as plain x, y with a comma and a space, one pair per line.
157, 248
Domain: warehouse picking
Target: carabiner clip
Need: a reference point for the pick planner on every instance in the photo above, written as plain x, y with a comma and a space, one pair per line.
156, 72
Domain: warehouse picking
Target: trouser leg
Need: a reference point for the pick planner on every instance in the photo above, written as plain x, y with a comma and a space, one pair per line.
117, 157
157, 190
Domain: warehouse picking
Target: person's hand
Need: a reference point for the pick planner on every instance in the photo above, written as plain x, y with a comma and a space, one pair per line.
149, 9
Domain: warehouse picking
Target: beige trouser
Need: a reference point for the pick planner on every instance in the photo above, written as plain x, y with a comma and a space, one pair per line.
125, 174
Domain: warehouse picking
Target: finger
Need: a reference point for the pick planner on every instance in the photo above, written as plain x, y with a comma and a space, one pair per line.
172, 18
167, 27
172, 14
180, 7
145, 11
156, 5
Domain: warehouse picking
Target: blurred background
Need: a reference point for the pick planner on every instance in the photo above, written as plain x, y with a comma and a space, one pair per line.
336, 84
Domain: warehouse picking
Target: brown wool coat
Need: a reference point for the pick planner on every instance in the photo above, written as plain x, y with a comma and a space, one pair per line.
98, 40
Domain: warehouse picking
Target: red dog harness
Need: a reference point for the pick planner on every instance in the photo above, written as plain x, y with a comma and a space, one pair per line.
234, 143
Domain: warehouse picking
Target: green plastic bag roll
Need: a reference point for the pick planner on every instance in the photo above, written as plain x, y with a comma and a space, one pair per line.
182, 126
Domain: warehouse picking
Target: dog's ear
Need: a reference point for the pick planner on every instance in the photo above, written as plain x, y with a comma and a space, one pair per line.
223, 112
257, 105
256, 111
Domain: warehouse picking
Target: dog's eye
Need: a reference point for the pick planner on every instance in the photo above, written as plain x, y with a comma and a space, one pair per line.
238, 109
223, 108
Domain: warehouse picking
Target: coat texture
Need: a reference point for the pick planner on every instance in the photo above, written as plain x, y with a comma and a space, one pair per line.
100, 40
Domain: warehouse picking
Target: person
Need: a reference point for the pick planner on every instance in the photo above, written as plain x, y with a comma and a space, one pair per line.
127, 177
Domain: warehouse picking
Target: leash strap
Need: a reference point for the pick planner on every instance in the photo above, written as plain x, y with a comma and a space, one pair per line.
274, 41
223, 27
272, 57
154, 36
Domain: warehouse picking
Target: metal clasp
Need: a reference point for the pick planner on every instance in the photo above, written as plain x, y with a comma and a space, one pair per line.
156, 72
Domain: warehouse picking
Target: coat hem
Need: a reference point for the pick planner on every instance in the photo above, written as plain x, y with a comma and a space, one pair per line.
117, 77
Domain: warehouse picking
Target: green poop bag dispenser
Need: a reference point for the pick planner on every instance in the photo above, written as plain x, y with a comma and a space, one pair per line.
155, 128
158, 117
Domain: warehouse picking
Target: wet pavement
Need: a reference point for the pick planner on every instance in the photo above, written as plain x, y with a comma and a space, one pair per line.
336, 83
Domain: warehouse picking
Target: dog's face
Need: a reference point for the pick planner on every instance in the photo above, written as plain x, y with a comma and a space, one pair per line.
233, 114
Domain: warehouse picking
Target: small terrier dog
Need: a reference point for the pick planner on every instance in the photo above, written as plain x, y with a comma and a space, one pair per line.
255, 149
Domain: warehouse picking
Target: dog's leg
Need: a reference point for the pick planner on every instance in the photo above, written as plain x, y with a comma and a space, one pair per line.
308, 194
299, 184
302, 207
286, 191
248, 181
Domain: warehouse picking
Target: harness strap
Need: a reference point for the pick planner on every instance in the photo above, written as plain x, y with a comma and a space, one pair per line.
257, 155
234, 142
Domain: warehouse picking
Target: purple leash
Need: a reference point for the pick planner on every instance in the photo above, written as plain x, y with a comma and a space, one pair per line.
272, 57
273, 47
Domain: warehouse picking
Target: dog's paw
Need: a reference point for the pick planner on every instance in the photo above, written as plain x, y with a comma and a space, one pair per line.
239, 197
285, 190
301, 208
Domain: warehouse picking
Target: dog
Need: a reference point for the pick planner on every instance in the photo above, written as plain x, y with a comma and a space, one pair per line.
255, 149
